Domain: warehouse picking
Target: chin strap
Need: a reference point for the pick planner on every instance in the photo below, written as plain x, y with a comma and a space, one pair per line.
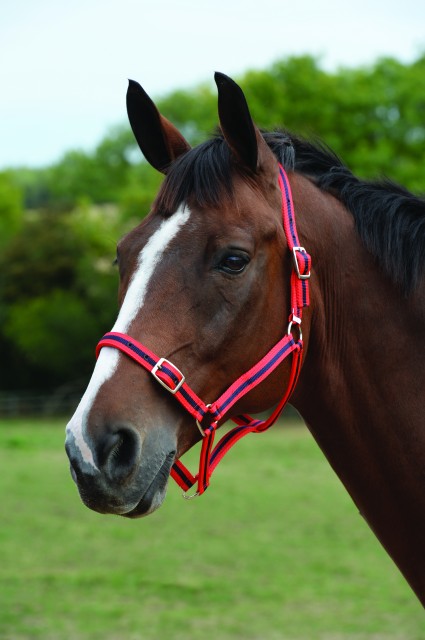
207, 416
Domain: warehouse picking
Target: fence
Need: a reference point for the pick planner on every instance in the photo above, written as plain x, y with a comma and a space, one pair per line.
16, 404
61, 402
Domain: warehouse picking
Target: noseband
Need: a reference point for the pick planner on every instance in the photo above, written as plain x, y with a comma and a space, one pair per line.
207, 416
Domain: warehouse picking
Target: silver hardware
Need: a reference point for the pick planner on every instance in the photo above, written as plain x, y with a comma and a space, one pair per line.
194, 495
301, 276
158, 365
199, 425
297, 321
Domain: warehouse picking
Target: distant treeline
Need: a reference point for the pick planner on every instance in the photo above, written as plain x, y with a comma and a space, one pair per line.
59, 225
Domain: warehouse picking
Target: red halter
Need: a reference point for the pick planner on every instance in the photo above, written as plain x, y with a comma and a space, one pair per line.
207, 416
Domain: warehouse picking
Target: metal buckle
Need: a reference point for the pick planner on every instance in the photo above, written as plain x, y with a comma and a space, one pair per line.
158, 365
301, 276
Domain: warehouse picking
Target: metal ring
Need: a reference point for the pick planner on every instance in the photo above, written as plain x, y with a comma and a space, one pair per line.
299, 329
199, 425
194, 495
200, 428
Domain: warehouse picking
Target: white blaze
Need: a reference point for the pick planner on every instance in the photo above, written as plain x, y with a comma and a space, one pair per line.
134, 299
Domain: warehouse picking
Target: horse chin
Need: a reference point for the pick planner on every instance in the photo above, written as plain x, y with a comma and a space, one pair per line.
131, 505
148, 504
155, 494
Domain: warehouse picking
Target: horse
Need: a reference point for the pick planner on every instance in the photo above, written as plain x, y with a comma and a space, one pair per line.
265, 271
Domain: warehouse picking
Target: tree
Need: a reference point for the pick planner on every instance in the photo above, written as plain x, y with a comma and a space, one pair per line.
11, 211
54, 334
57, 297
57, 283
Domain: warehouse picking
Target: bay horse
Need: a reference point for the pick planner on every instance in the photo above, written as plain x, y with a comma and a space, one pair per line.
208, 280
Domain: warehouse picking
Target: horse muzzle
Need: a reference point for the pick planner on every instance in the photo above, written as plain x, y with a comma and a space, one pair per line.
126, 474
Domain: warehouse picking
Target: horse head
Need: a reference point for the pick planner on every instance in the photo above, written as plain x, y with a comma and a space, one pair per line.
204, 282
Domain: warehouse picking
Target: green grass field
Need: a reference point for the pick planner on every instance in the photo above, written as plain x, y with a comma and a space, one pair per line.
274, 550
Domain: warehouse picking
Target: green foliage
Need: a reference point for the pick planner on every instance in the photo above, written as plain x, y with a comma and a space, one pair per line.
136, 198
38, 259
373, 117
40, 327
57, 293
193, 112
11, 211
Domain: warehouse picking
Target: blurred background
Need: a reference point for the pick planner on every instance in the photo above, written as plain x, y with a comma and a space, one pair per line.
72, 180
275, 550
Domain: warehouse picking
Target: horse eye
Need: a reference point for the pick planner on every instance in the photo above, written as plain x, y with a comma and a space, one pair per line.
233, 264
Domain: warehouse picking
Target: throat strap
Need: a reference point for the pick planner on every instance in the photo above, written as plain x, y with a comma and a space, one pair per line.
207, 416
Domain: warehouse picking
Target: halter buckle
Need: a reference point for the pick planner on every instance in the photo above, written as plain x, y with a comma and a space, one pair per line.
176, 372
300, 276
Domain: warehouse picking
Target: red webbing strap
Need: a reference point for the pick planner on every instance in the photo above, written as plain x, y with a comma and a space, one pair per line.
210, 459
300, 293
163, 370
173, 380
249, 380
246, 424
263, 425
181, 474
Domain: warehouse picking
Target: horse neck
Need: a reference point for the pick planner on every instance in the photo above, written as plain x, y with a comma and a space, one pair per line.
362, 381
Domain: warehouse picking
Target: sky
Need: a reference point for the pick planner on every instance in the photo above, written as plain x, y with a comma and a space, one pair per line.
64, 65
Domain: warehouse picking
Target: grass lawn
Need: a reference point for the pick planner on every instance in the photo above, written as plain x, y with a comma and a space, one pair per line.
275, 550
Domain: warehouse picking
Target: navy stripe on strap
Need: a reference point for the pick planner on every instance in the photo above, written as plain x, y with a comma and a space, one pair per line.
132, 346
182, 391
289, 206
258, 374
180, 472
170, 373
227, 438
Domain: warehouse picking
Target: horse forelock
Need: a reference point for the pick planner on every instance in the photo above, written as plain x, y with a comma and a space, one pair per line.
204, 174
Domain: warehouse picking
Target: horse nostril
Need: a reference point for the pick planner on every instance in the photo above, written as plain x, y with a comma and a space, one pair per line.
120, 453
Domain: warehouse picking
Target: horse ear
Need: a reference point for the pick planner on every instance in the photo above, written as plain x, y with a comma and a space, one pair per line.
236, 123
158, 139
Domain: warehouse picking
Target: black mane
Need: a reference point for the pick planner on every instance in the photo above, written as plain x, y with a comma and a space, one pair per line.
389, 219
